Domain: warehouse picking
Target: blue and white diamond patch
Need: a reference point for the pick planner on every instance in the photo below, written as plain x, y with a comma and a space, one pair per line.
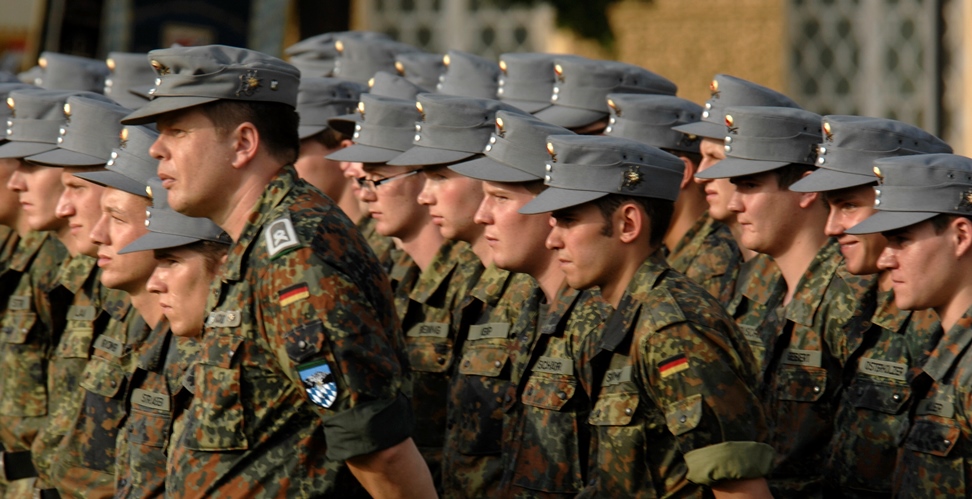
319, 383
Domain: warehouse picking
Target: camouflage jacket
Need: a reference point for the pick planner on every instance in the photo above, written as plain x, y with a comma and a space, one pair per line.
299, 361
676, 407
804, 343
546, 436
403, 276
480, 387
78, 282
431, 343
31, 324
936, 458
883, 352
759, 292
84, 465
143, 443
8, 245
710, 256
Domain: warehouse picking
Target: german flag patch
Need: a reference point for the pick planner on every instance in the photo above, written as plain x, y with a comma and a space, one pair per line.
673, 365
294, 293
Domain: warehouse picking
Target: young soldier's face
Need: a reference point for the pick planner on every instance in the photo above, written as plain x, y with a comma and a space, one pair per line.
849, 207
9, 200
766, 213
718, 191
586, 255
122, 221
393, 204
181, 280
517, 241
919, 260
38, 189
80, 205
452, 200
319, 171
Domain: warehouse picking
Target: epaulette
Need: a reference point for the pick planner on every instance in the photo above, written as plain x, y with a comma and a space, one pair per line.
663, 310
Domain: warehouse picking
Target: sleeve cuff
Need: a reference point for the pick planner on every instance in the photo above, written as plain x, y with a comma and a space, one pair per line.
729, 461
368, 427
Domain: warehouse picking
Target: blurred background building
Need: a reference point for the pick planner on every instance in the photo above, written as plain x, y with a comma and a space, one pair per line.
905, 59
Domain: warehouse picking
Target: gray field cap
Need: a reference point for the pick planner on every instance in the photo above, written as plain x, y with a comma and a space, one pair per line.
526, 80
731, 91
383, 84
190, 76
579, 95
852, 143
91, 131
360, 59
468, 75
128, 71
130, 165
171, 229
421, 68
5, 111
8, 77
584, 168
649, 119
315, 56
385, 131
70, 72
452, 129
319, 99
517, 150
37, 117
761, 139
912, 189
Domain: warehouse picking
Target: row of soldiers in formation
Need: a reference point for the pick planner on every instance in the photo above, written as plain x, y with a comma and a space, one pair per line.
542, 277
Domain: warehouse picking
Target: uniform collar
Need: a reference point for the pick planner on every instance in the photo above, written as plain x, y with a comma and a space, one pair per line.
116, 302
27, 248
769, 286
450, 255
156, 345
623, 320
491, 284
810, 290
692, 239
75, 271
951, 348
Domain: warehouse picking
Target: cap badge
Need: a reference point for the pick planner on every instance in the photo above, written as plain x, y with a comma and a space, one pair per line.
42, 62
446, 60
614, 106
878, 174
249, 83
421, 110
124, 138
559, 71
67, 112
714, 89
160, 68
148, 192
12, 106
631, 178
502, 66
400, 68
111, 64
828, 133
361, 109
339, 46
551, 152
729, 124
499, 128
965, 201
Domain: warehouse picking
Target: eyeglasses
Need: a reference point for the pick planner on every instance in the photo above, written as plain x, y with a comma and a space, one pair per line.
366, 183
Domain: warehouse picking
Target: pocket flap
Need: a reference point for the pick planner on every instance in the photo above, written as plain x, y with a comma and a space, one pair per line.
614, 409
886, 397
484, 361
219, 352
305, 341
429, 355
802, 384
684, 415
929, 437
17, 325
76, 341
549, 392
102, 377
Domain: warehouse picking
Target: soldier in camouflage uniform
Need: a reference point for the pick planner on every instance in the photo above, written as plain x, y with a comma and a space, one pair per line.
891, 344
798, 337
188, 252
78, 281
302, 315
481, 388
675, 411
84, 464
698, 246
923, 208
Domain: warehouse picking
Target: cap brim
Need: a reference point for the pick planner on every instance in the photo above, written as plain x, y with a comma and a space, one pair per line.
361, 153
736, 167
824, 180
63, 157
569, 117
883, 221
493, 171
130, 99
529, 106
116, 180
344, 123
19, 150
554, 198
161, 105
419, 155
310, 130
703, 129
157, 240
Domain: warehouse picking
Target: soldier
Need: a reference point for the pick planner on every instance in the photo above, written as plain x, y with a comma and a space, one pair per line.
674, 408
302, 315
796, 336
881, 360
188, 251
698, 246
481, 389
923, 205
85, 145
579, 97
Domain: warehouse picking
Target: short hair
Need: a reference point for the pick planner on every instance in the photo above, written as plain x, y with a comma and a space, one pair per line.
212, 252
275, 122
659, 212
941, 221
329, 138
787, 175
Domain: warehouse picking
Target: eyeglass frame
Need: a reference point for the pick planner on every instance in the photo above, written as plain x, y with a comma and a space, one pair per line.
372, 185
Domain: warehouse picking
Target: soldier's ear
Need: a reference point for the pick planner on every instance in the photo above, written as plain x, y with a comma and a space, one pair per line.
246, 143
688, 175
961, 228
631, 221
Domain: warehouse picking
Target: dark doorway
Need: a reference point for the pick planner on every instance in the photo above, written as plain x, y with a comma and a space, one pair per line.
318, 17
73, 27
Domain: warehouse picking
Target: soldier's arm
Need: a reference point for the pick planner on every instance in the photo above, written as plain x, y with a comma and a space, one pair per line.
754, 488
396, 472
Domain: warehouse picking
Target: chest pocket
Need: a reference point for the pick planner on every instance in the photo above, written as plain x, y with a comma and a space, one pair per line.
150, 422
882, 396
549, 391
103, 377
930, 437
484, 360
23, 371
76, 340
614, 409
429, 347
217, 422
801, 384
